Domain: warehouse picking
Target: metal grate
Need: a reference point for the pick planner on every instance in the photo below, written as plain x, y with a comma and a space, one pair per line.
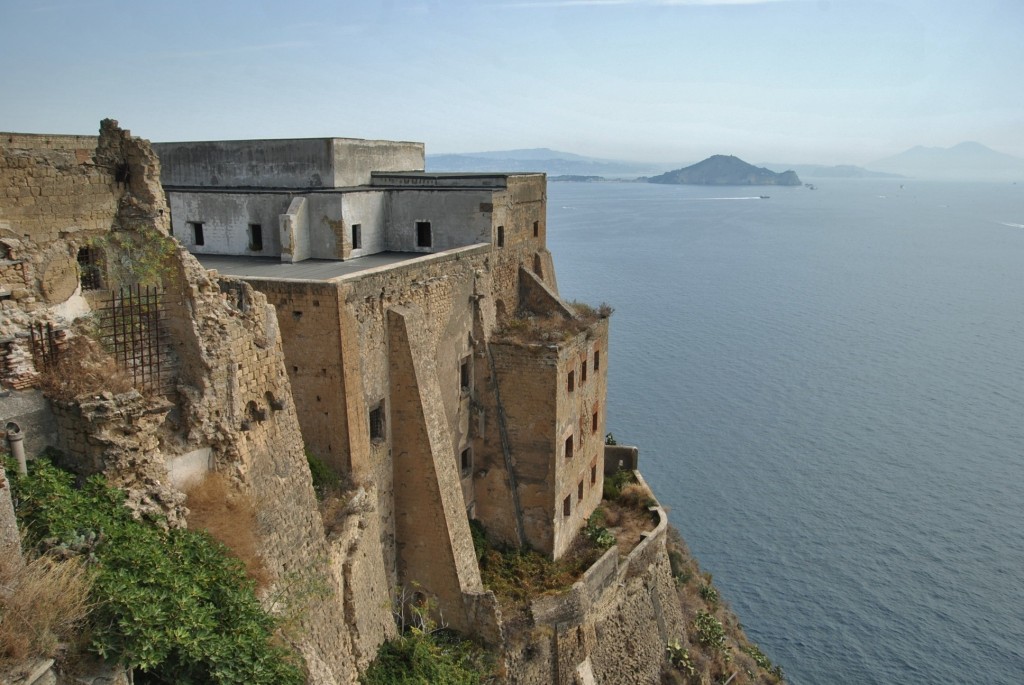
44, 345
131, 327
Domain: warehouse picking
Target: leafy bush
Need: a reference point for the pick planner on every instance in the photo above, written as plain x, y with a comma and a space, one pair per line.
763, 661
601, 537
420, 657
614, 484
679, 658
325, 480
171, 603
709, 594
710, 632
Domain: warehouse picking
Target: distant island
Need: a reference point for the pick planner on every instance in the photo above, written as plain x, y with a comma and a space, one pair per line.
575, 178
726, 170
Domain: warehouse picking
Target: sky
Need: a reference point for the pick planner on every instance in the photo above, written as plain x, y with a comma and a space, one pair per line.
796, 81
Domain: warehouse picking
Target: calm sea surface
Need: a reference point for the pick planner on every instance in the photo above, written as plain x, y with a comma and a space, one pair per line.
827, 388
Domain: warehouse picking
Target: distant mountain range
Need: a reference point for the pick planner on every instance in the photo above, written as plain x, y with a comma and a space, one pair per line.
964, 161
726, 170
545, 160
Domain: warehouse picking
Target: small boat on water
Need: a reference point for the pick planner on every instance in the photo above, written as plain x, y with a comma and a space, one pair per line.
765, 197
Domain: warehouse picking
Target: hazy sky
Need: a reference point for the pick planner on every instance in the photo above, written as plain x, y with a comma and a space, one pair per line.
828, 81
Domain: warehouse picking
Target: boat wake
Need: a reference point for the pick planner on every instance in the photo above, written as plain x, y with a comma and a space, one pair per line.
1011, 225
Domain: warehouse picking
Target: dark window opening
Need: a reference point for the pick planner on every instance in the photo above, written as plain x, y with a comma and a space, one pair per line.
501, 236
593, 474
597, 359
377, 422
579, 492
583, 373
423, 237
464, 375
567, 505
536, 229
197, 232
89, 270
568, 447
593, 423
570, 382
357, 236
467, 461
256, 237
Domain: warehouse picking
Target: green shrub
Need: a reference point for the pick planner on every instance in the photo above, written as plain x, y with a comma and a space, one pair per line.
599, 536
763, 661
710, 632
419, 657
172, 604
709, 594
679, 658
614, 484
325, 480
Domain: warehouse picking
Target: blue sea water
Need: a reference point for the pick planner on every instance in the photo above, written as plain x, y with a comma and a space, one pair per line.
827, 388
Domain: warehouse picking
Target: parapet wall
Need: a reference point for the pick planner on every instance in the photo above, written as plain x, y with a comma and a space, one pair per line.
611, 627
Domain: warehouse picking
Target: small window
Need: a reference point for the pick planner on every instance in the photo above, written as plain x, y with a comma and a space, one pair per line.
88, 270
567, 505
501, 236
255, 237
579, 492
593, 423
423, 237
377, 422
583, 373
464, 376
466, 462
570, 382
597, 359
357, 236
568, 447
197, 232
593, 474
536, 229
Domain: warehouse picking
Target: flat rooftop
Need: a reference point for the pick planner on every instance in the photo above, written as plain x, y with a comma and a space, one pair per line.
270, 268
326, 270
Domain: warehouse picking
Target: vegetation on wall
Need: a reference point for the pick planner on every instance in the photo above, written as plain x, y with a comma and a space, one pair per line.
172, 604
714, 649
427, 654
135, 257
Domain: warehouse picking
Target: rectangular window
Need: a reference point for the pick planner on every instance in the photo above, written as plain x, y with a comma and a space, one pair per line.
593, 474
501, 236
197, 232
377, 422
568, 447
593, 422
579, 492
464, 376
466, 462
423, 237
597, 359
255, 238
89, 274
570, 382
357, 236
583, 373
567, 505
536, 229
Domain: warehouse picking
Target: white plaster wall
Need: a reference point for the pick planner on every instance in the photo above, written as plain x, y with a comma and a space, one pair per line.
366, 209
455, 216
226, 218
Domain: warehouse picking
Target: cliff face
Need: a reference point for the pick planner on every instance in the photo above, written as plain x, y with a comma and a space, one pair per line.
726, 170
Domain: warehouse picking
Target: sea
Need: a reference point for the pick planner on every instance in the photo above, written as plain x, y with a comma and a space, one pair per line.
827, 390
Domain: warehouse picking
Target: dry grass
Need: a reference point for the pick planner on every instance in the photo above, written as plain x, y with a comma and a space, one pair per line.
42, 607
83, 367
229, 516
626, 522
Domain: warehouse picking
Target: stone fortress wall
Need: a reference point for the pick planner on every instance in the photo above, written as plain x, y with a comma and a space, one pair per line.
405, 378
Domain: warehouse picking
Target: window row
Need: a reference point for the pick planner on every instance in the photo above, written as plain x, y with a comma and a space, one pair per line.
570, 381
567, 502
501, 233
